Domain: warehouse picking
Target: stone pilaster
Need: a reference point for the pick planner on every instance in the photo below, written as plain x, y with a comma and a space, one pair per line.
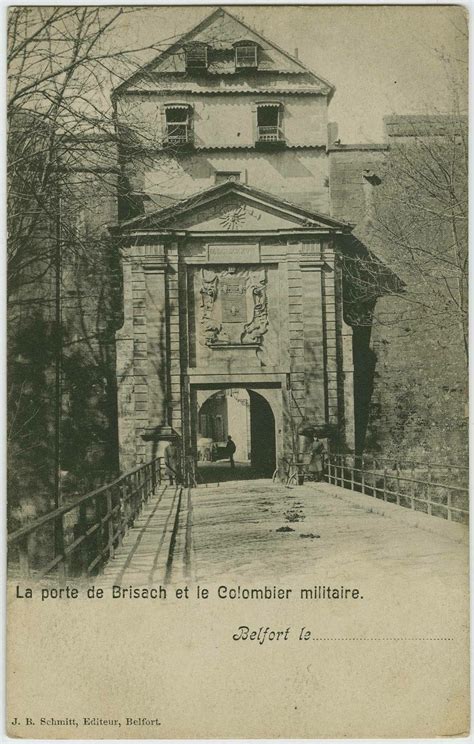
331, 334
156, 345
126, 375
174, 355
294, 289
314, 335
348, 386
141, 351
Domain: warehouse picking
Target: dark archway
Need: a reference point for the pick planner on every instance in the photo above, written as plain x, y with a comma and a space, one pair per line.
262, 435
248, 417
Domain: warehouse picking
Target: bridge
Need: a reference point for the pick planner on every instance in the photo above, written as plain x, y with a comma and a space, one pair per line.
139, 530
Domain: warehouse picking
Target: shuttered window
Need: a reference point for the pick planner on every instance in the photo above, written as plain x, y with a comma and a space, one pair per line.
246, 56
196, 56
269, 122
178, 124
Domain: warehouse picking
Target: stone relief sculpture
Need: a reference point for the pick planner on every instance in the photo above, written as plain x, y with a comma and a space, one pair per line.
209, 328
254, 330
232, 218
226, 297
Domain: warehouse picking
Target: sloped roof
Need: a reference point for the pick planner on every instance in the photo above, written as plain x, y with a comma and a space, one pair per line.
424, 125
220, 30
168, 217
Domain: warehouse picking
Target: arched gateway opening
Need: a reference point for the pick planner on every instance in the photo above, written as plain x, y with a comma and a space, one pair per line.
245, 416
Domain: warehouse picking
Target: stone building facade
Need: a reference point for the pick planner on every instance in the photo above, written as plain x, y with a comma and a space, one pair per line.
231, 260
239, 212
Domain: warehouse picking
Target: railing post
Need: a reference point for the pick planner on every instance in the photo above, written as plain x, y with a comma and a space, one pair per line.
122, 511
110, 524
374, 477
362, 474
80, 562
135, 494
23, 556
59, 547
385, 484
146, 483
398, 482
139, 498
98, 533
430, 480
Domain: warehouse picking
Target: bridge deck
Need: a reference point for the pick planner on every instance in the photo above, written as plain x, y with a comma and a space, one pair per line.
145, 557
254, 529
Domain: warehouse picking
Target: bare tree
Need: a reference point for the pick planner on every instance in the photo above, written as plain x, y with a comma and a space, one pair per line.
421, 214
65, 183
63, 272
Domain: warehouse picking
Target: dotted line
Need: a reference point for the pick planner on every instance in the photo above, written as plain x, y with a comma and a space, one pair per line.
384, 639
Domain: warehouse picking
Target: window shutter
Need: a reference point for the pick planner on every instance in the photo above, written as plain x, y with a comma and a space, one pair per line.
254, 123
162, 132
196, 56
246, 56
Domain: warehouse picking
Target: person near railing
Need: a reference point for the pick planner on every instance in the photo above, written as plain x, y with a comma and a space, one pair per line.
317, 462
311, 454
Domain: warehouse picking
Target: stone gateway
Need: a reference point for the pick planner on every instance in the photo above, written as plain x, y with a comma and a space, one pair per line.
233, 272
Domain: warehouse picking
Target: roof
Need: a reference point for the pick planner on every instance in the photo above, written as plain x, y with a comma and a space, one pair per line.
359, 147
423, 125
169, 217
220, 30
280, 82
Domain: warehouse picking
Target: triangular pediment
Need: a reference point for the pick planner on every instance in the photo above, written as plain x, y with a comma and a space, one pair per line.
233, 207
220, 31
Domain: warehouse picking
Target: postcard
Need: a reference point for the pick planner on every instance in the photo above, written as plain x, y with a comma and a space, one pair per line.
237, 372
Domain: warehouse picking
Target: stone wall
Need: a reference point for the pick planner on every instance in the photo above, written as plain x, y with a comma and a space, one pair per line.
298, 175
161, 350
227, 120
417, 394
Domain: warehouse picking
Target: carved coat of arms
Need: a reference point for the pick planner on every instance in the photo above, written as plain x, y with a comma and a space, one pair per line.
233, 306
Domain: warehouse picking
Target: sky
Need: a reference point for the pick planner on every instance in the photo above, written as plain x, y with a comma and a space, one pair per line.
382, 59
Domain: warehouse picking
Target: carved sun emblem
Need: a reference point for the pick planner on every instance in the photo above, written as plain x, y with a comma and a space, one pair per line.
234, 217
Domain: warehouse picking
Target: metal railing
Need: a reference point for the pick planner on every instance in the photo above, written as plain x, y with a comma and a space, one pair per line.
435, 489
269, 134
78, 538
179, 134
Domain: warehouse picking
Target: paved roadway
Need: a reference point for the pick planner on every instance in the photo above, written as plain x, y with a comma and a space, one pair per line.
249, 530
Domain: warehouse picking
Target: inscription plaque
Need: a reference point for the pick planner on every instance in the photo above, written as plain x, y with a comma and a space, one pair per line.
239, 254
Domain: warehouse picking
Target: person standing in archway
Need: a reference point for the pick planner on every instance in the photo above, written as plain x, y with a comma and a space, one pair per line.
230, 449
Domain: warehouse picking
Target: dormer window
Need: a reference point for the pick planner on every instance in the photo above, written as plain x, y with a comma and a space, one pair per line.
269, 124
178, 124
246, 55
196, 56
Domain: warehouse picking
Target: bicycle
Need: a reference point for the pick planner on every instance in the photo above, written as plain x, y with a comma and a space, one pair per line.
286, 473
